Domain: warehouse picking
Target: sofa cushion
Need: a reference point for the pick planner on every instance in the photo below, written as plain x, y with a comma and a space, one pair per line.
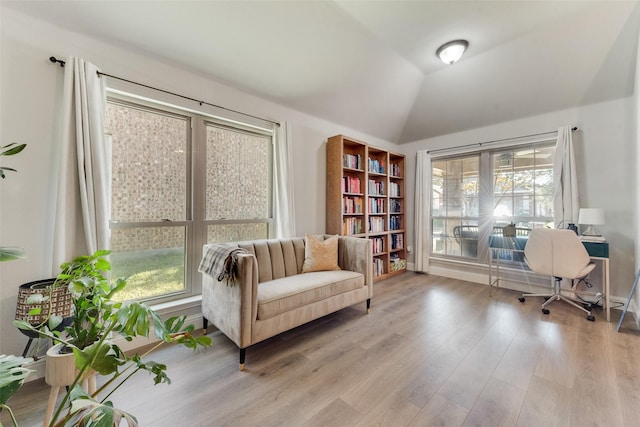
276, 257
320, 255
282, 295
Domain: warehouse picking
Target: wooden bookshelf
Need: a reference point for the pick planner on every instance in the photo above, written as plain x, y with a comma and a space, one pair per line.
365, 198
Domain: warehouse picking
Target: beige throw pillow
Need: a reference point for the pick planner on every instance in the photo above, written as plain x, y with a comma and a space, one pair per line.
320, 255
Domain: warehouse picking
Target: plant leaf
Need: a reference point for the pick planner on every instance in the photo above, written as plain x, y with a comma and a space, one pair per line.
95, 414
99, 357
37, 299
54, 321
10, 253
155, 368
11, 151
12, 375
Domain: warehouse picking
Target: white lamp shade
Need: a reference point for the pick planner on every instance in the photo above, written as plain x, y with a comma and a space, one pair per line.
591, 216
452, 51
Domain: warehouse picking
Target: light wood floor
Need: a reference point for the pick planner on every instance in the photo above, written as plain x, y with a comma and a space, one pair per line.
433, 351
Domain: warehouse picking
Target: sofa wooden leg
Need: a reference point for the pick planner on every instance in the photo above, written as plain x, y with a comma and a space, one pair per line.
368, 305
205, 323
242, 354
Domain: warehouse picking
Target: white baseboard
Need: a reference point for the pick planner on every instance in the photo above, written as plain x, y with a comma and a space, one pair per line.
475, 274
457, 273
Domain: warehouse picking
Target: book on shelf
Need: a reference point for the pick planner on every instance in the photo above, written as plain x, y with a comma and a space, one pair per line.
376, 206
376, 188
395, 206
351, 185
352, 205
351, 161
377, 244
394, 189
395, 170
352, 226
395, 222
376, 166
378, 267
376, 224
397, 241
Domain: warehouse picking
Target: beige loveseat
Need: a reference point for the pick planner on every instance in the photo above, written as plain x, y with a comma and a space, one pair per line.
272, 295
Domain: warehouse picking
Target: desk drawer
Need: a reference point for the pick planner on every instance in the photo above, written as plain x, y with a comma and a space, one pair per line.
597, 249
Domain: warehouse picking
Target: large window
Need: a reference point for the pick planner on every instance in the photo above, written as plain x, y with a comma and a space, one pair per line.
455, 204
238, 185
167, 199
477, 194
523, 186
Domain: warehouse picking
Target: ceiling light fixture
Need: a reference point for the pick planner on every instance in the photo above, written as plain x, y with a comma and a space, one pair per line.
451, 52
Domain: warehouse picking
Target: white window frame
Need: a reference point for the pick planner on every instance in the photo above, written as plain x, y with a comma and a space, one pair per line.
195, 223
486, 219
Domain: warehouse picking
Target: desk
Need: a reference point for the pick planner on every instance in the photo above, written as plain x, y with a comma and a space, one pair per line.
512, 249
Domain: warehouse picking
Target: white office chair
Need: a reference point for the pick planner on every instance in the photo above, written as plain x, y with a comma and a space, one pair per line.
557, 253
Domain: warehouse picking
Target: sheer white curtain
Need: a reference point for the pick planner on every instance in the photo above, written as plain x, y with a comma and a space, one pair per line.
81, 223
423, 211
565, 181
283, 207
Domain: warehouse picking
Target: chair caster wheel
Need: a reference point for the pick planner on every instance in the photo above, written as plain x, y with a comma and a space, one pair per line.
545, 311
590, 318
521, 299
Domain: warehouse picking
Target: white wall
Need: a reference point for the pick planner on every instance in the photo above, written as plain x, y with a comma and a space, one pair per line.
30, 92
30, 87
604, 145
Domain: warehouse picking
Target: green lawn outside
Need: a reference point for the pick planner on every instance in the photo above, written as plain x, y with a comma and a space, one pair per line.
148, 273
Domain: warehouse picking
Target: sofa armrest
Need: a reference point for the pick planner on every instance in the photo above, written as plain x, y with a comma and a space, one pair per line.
356, 254
233, 309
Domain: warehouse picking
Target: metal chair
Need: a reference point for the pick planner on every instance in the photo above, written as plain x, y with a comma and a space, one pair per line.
557, 253
467, 238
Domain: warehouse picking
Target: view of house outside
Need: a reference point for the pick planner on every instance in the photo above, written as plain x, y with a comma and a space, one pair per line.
152, 198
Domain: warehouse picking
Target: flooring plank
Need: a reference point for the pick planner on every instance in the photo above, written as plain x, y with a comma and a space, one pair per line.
434, 351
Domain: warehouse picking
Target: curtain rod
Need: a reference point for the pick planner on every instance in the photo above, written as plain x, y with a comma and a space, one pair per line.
55, 60
480, 144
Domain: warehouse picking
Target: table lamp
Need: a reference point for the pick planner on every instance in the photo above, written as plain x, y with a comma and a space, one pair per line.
591, 217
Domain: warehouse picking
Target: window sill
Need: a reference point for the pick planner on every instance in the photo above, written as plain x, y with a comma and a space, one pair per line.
177, 306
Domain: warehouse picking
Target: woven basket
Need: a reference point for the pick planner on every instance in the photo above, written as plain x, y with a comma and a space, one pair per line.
60, 300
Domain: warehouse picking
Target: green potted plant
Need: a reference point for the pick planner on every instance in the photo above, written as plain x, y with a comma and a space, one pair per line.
96, 318
12, 376
10, 253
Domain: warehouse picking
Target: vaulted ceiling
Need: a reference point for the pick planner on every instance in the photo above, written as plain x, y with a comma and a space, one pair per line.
371, 65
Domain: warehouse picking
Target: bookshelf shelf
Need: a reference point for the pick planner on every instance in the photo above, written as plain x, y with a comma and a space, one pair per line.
358, 173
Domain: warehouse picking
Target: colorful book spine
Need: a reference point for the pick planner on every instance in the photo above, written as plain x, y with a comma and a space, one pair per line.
376, 166
378, 245
395, 223
376, 188
394, 189
351, 161
376, 224
376, 206
352, 226
395, 206
352, 205
351, 185
397, 241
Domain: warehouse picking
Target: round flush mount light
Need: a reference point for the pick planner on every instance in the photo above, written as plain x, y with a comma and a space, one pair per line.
451, 52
